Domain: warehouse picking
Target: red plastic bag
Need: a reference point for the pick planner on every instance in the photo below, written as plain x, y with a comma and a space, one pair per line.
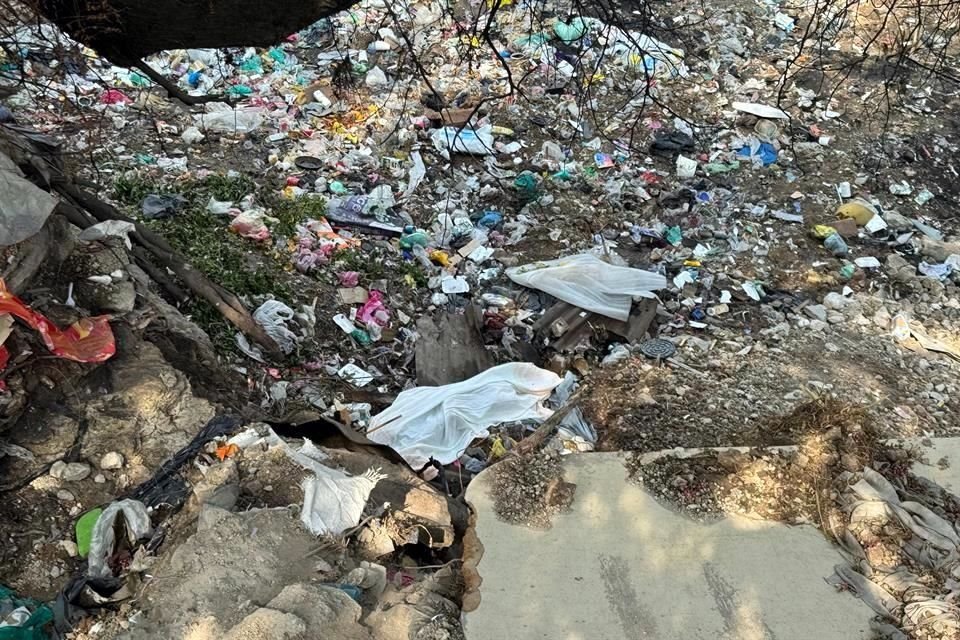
87, 340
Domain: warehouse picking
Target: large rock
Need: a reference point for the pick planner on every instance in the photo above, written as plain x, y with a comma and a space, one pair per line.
900, 270
118, 296
220, 487
328, 612
145, 411
421, 615
938, 250
233, 560
70, 471
268, 624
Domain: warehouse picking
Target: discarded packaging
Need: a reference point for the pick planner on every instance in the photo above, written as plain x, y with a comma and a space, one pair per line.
760, 110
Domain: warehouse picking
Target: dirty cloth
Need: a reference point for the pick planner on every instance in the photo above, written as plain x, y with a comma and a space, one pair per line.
896, 593
440, 422
24, 207
588, 282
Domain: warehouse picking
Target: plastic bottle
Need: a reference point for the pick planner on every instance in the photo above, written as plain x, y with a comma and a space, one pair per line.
421, 255
835, 245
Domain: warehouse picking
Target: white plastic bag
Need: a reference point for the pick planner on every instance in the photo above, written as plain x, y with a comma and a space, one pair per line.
588, 282
223, 117
332, 500
440, 422
102, 538
273, 316
469, 140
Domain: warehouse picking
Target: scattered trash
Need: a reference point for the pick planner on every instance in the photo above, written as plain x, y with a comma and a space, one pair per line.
901, 188
834, 244
86, 340
686, 167
466, 140
658, 348
355, 375
22, 618
760, 110
859, 210
24, 207
762, 153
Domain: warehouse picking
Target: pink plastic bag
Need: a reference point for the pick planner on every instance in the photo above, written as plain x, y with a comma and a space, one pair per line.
374, 310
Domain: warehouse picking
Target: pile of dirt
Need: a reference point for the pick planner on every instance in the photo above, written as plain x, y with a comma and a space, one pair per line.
529, 490
793, 484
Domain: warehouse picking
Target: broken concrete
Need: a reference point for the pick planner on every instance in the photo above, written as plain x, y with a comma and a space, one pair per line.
621, 565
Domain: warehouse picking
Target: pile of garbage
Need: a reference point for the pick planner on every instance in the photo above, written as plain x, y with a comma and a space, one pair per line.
402, 246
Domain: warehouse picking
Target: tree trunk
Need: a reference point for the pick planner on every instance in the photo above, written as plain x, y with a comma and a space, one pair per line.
127, 30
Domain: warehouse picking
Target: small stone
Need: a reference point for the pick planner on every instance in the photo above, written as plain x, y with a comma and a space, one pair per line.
99, 478
65, 496
69, 471
835, 301
111, 460
835, 317
56, 571
816, 311
882, 318
69, 547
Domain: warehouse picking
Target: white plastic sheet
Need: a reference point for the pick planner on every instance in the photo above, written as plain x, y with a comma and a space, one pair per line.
440, 422
588, 282
102, 538
467, 139
223, 117
760, 110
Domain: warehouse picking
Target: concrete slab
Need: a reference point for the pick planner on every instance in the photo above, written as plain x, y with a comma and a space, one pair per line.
622, 566
944, 468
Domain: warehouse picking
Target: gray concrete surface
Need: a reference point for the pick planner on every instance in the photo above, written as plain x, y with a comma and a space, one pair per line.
943, 455
621, 566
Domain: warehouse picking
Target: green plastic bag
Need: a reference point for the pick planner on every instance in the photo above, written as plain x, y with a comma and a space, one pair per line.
84, 530
32, 628
570, 32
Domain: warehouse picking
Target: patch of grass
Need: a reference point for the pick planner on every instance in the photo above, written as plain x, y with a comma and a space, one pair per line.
131, 188
236, 263
221, 188
369, 264
290, 213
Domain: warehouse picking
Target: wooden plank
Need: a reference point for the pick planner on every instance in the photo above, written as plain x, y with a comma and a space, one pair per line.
450, 348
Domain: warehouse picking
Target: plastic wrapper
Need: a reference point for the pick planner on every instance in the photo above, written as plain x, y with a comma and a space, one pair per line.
87, 340
588, 282
440, 422
136, 525
466, 140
